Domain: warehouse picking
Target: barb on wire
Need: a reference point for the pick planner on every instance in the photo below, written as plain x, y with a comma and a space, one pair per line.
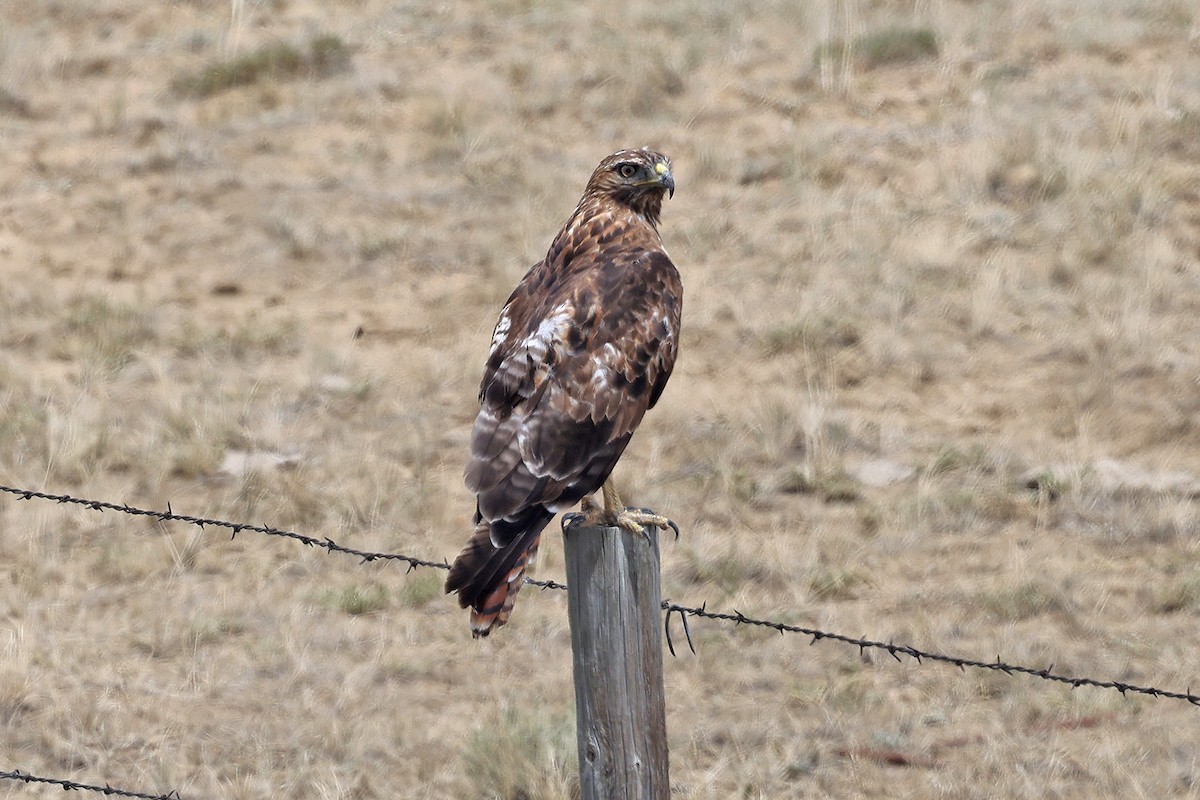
543, 585
237, 527
70, 786
672, 609
897, 650
683, 620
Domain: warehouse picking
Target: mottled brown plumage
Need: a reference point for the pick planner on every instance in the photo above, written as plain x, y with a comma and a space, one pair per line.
584, 346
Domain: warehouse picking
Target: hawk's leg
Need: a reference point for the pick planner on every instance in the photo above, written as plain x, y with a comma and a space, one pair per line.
615, 514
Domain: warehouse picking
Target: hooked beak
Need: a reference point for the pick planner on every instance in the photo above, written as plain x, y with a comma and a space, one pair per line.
665, 178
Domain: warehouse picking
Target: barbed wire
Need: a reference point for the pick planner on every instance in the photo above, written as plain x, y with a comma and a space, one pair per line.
70, 786
897, 650
673, 610
169, 515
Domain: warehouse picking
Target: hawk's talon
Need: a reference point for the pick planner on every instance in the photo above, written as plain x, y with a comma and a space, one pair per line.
641, 531
633, 519
636, 520
670, 522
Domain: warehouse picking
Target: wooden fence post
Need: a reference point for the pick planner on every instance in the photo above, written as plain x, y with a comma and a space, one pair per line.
615, 610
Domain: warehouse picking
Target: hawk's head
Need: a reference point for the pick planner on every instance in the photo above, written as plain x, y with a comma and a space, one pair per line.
636, 178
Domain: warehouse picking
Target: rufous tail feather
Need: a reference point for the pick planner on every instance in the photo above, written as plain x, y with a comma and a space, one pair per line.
488, 578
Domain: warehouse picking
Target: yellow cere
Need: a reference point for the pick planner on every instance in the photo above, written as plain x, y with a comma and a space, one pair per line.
660, 168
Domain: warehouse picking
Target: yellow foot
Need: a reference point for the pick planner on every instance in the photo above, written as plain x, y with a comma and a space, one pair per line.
636, 520
589, 515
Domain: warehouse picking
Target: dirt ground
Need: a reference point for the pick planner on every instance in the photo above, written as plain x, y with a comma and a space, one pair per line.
939, 384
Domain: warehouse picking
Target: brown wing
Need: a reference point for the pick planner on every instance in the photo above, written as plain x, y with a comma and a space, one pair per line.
559, 402
560, 399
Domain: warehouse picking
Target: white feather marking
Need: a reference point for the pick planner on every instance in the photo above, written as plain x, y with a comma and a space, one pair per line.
603, 364
599, 375
501, 332
549, 333
662, 319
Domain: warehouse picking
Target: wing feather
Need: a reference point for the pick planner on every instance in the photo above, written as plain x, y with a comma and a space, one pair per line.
580, 379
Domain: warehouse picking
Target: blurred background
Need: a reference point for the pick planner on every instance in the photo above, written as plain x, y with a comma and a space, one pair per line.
938, 384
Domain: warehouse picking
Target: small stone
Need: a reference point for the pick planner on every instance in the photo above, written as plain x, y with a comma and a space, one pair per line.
239, 464
880, 472
337, 384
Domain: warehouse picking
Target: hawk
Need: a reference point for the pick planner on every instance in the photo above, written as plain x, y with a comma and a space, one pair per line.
584, 346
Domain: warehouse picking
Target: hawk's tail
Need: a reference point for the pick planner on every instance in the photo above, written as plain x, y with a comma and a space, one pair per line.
486, 577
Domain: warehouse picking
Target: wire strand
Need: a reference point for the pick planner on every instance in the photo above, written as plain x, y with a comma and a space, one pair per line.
71, 786
673, 610
169, 515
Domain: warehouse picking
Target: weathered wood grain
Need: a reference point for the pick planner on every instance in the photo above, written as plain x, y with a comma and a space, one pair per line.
614, 605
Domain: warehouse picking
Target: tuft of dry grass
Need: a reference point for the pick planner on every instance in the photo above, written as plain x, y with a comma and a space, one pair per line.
102, 334
519, 753
356, 600
832, 485
14, 105
896, 45
1026, 599
320, 57
420, 591
1177, 594
834, 583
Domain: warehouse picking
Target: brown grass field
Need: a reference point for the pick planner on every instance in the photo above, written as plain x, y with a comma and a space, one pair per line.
939, 384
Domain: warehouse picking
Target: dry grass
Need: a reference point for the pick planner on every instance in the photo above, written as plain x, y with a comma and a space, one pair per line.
880, 48
323, 56
962, 243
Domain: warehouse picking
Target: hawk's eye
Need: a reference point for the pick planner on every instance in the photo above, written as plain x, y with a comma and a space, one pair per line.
627, 170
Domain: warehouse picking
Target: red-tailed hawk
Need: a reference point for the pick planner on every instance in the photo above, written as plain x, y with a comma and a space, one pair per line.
584, 346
